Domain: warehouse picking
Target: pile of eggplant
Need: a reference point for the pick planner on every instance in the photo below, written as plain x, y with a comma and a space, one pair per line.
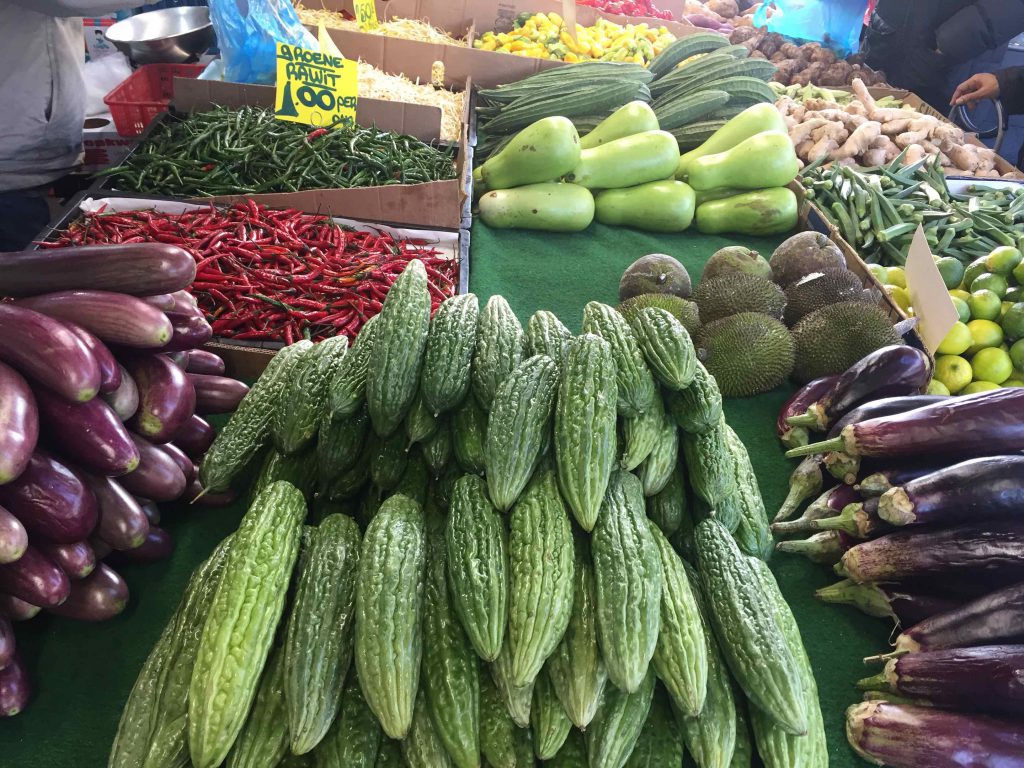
918, 503
102, 392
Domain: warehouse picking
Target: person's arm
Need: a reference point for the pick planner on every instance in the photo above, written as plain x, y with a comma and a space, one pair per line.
1011, 89
978, 27
72, 8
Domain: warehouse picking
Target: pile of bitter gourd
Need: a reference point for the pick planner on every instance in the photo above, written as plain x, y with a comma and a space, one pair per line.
469, 544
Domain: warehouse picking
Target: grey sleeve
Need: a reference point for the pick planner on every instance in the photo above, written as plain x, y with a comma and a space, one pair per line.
72, 8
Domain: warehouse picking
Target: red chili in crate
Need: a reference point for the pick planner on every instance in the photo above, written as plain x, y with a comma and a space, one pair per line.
645, 8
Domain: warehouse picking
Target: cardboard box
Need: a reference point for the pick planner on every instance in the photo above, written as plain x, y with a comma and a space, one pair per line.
103, 145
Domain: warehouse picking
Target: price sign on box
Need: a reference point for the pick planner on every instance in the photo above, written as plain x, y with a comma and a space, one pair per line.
366, 14
315, 88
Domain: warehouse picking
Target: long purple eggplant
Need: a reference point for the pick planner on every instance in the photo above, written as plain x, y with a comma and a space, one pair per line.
887, 601
19, 423
201, 361
886, 372
13, 537
36, 579
51, 500
977, 489
859, 520
100, 596
994, 547
100, 547
77, 560
46, 351
89, 433
798, 403
15, 688
110, 371
994, 619
217, 394
826, 548
190, 331
194, 437
828, 504
17, 610
157, 477
881, 481
167, 398
983, 679
123, 524
116, 318
150, 509
141, 269
158, 546
6, 641
163, 301
179, 457
125, 399
806, 480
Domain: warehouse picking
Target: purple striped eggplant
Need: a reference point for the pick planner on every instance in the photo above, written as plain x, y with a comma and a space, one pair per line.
122, 524
826, 548
991, 548
859, 520
46, 351
151, 510
100, 596
51, 500
125, 399
141, 269
15, 688
110, 371
881, 481
801, 400
904, 736
13, 537
983, 488
982, 679
116, 318
36, 579
190, 330
178, 456
201, 361
890, 371
77, 560
17, 610
805, 481
89, 433
157, 477
19, 424
158, 546
887, 601
830, 503
6, 641
163, 301
217, 394
167, 398
994, 619
194, 437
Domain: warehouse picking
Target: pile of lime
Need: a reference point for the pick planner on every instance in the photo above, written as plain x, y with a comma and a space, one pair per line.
985, 349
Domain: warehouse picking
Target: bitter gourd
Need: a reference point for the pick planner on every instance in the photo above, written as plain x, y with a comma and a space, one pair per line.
636, 389
500, 344
697, 408
264, 737
547, 335
390, 754
415, 481
347, 390
641, 434
660, 743
422, 748
444, 382
388, 459
743, 754
573, 753
355, 736
667, 508
551, 725
659, 465
339, 441
304, 396
299, 469
619, 721
752, 533
348, 483
437, 449
518, 698
710, 464
420, 422
469, 434
498, 734
666, 346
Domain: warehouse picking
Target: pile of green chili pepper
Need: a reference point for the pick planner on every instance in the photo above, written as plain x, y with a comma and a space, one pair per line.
248, 151
877, 210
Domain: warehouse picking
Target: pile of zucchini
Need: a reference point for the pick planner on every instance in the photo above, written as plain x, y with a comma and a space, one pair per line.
471, 543
694, 86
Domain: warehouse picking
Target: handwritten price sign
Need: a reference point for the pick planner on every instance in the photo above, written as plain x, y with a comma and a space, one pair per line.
315, 88
366, 14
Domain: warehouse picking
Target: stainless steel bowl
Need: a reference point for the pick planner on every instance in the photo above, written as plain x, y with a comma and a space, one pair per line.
170, 36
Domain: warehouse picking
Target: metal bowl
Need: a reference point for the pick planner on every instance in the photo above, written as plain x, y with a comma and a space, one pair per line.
170, 36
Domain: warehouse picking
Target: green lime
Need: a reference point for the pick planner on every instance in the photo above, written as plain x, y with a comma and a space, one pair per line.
879, 272
978, 386
1013, 322
990, 281
900, 297
952, 271
963, 309
936, 387
958, 293
1003, 260
1017, 355
975, 268
953, 372
991, 364
1012, 382
957, 341
985, 333
985, 305
1014, 294
1018, 273
896, 276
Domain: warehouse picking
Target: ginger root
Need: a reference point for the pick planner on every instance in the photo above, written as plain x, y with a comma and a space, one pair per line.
859, 141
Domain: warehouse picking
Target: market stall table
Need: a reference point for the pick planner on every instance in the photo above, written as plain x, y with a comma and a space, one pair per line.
84, 672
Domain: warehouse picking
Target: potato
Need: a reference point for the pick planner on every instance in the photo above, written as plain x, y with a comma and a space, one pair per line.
725, 8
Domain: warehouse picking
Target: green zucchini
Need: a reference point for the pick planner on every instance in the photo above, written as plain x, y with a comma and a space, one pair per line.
666, 346
420, 422
241, 622
469, 434
667, 508
660, 743
547, 335
619, 721
634, 381
396, 355
318, 642
264, 737
500, 343
663, 459
710, 464
752, 533
304, 395
347, 389
698, 408
641, 434
551, 725
388, 459
518, 699
437, 449
422, 748
339, 442
389, 597
354, 737
445, 379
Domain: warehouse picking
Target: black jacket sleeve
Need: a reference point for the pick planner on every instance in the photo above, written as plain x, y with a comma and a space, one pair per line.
979, 26
1011, 89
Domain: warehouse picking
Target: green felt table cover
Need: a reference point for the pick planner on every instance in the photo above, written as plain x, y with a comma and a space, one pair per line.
82, 673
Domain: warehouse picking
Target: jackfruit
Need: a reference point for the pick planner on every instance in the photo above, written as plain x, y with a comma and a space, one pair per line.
831, 339
655, 273
747, 353
820, 289
736, 258
802, 254
683, 310
731, 294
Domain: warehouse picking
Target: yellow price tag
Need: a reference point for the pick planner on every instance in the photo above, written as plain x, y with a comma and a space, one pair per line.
366, 14
315, 88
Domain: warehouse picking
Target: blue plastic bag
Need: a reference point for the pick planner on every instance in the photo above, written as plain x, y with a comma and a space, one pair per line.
836, 24
248, 32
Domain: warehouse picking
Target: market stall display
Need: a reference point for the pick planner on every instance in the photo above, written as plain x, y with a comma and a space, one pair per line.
807, 64
629, 8
407, 29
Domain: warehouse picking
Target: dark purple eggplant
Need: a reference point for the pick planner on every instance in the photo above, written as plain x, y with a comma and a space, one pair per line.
987, 678
46, 351
188, 469
167, 398
6, 642
887, 601
180, 359
993, 619
195, 494
36, 579
195, 437
51, 500
201, 361
190, 331
116, 318
984, 424
983, 488
140, 269
123, 524
881, 481
217, 394
151, 510
110, 371
13, 537
990, 548
184, 302
805, 481
15, 688
100, 596
157, 477
859, 520
158, 546
89, 433
797, 405
830, 503
17, 610
100, 547
19, 424
125, 399
826, 548
76, 560
163, 301
887, 372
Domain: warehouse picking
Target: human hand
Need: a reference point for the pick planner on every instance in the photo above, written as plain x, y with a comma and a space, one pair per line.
975, 88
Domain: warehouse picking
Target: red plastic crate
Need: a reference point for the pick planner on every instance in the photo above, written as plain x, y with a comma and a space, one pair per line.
145, 94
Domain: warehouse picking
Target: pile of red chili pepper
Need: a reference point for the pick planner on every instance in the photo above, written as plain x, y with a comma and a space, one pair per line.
276, 275
645, 8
